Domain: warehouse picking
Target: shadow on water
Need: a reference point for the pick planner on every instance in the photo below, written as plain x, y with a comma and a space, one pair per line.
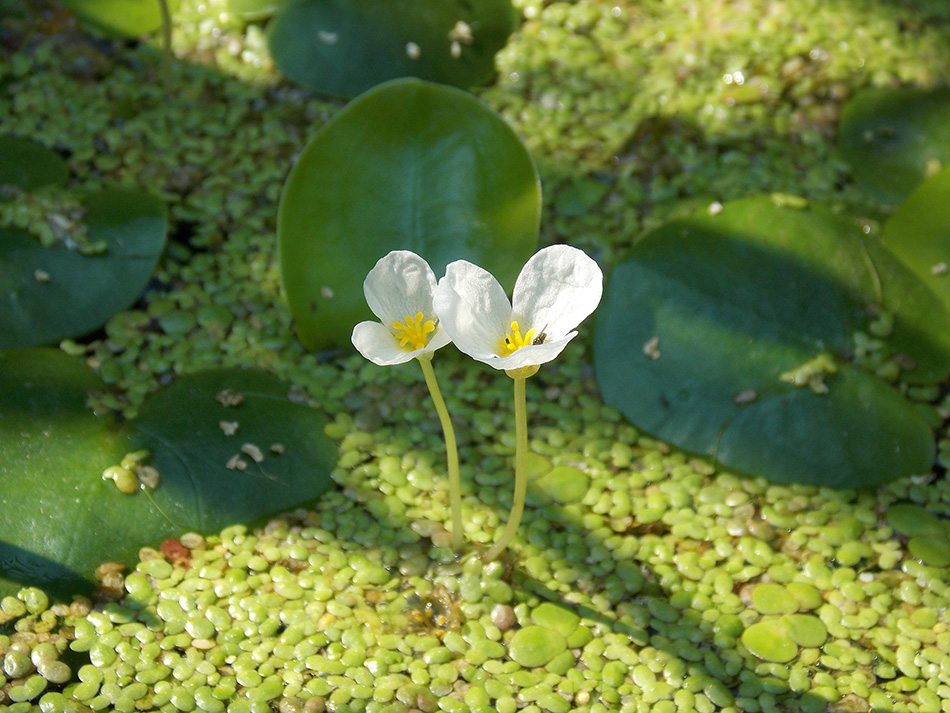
572, 555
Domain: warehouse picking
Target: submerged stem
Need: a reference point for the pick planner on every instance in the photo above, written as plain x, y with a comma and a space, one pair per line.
521, 472
451, 452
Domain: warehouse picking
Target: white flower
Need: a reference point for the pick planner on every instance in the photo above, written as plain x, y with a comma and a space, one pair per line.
557, 288
399, 291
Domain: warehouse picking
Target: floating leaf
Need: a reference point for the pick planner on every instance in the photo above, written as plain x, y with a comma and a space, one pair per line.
410, 165
29, 165
912, 520
894, 138
919, 234
728, 336
122, 18
344, 47
280, 444
768, 640
61, 519
47, 294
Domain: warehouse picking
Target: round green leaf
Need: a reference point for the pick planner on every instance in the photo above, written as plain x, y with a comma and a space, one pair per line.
894, 138
805, 629
61, 519
344, 47
28, 165
919, 234
768, 640
701, 324
921, 322
912, 520
52, 451
47, 294
203, 487
931, 550
861, 433
409, 165
121, 18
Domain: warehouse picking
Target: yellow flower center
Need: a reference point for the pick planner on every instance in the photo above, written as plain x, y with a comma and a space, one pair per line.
514, 341
414, 332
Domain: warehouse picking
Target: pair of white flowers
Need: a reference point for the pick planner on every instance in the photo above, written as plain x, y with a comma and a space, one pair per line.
557, 288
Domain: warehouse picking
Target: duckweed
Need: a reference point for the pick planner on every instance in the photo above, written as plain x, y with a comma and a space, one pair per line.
772, 598
642, 579
535, 646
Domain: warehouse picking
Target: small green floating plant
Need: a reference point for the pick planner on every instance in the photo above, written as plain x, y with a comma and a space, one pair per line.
556, 290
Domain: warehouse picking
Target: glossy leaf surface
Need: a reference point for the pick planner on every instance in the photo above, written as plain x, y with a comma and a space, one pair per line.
700, 325
61, 519
28, 165
48, 294
895, 138
919, 234
345, 47
410, 165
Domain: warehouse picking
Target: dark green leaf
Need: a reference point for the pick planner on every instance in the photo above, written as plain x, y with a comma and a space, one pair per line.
29, 165
922, 321
61, 519
410, 165
894, 138
47, 294
700, 325
344, 47
919, 234
181, 425
52, 453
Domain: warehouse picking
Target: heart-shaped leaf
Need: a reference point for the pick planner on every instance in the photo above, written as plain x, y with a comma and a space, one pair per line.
47, 294
729, 335
28, 165
61, 519
344, 47
919, 234
409, 165
894, 138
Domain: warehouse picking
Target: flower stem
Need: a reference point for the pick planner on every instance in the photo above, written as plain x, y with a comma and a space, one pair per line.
451, 452
521, 472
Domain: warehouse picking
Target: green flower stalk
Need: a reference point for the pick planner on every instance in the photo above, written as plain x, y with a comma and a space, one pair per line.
521, 471
557, 288
451, 451
399, 291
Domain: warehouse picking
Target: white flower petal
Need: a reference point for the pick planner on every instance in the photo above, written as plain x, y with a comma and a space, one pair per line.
400, 285
378, 344
438, 340
531, 355
557, 288
473, 309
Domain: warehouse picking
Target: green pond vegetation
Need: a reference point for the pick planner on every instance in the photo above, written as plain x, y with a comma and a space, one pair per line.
655, 570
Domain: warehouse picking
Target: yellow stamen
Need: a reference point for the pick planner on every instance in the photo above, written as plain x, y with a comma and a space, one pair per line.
414, 333
514, 341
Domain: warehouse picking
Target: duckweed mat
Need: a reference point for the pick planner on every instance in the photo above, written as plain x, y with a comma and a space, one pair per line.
642, 579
